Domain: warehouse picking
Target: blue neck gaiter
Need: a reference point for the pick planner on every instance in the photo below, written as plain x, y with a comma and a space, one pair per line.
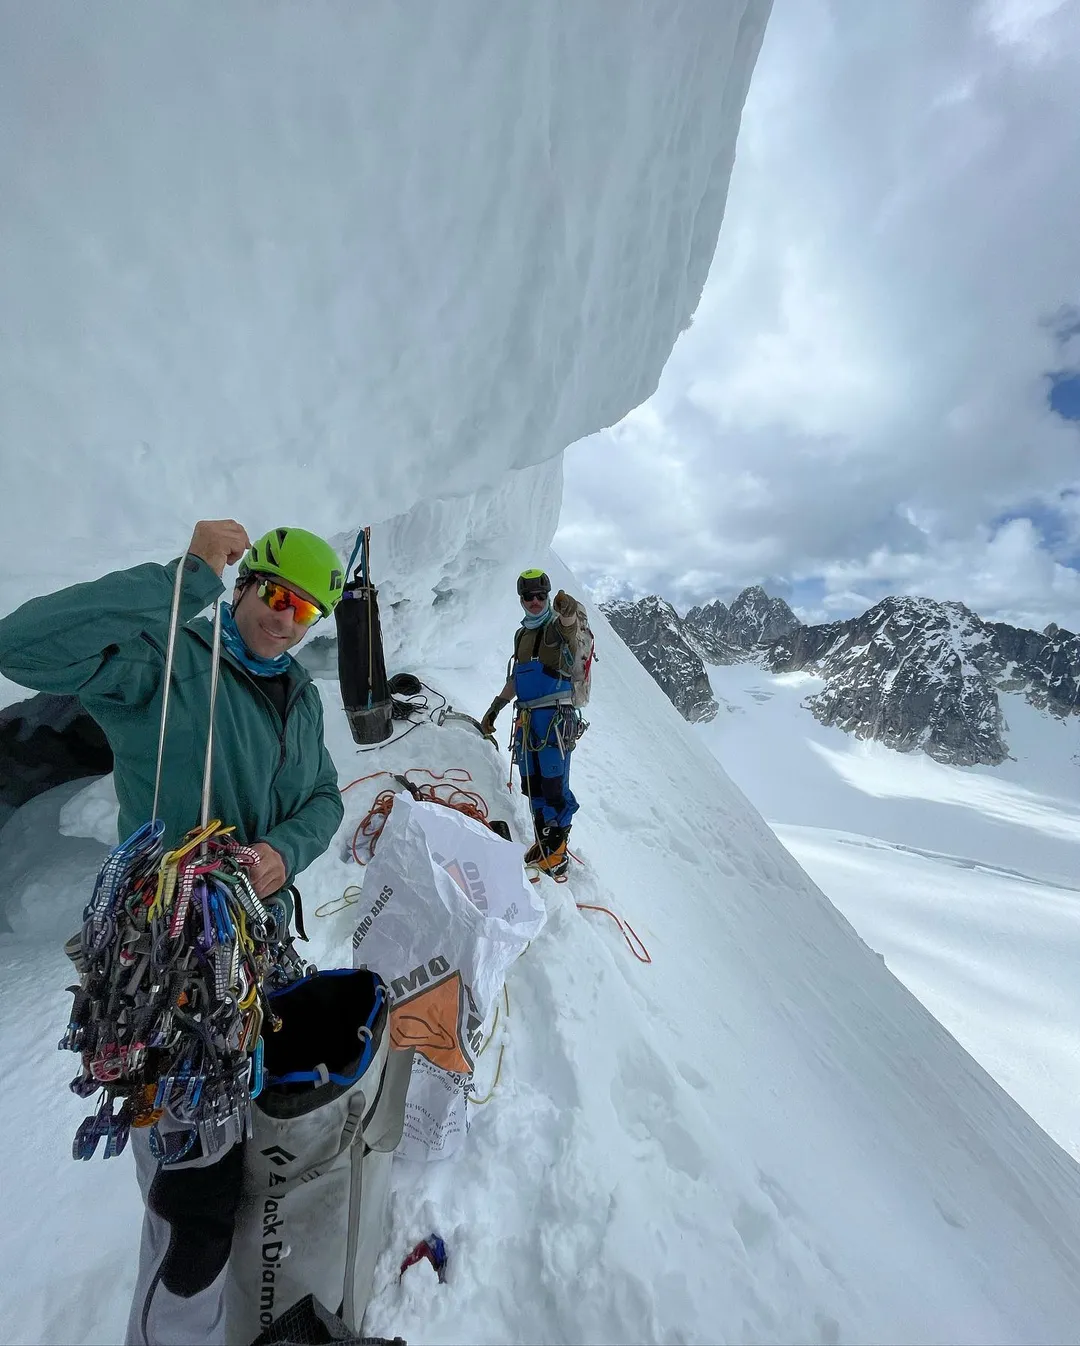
541, 619
254, 663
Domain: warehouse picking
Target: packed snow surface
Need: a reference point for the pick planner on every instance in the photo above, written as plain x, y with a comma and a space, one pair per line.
760, 1136
369, 267
966, 879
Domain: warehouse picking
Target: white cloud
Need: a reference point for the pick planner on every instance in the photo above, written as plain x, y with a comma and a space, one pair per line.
1006, 575
863, 391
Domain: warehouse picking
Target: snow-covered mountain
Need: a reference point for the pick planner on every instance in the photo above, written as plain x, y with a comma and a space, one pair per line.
912, 673
918, 674
966, 879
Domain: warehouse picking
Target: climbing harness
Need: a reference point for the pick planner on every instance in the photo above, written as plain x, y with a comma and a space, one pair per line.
175, 957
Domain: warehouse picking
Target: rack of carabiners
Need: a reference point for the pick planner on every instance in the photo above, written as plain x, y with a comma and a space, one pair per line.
175, 957
176, 951
564, 731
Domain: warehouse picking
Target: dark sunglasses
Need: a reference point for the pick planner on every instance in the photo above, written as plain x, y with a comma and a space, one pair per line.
532, 595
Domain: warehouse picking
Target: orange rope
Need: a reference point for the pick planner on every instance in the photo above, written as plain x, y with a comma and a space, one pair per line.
360, 779
372, 824
644, 956
446, 789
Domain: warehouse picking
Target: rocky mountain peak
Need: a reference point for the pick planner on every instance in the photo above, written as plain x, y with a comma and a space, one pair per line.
759, 619
915, 673
656, 634
910, 672
724, 635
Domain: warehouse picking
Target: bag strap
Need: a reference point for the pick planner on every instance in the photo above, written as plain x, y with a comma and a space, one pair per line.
394, 1069
215, 678
170, 652
215, 670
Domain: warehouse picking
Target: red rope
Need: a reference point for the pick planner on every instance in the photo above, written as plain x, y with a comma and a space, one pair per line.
624, 926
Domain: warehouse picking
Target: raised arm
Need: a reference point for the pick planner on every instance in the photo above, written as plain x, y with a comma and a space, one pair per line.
106, 637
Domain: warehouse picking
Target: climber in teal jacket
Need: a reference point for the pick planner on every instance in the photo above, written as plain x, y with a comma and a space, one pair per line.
273, 779
105, 641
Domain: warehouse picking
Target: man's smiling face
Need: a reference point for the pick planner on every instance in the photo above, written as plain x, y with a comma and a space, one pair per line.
266, 632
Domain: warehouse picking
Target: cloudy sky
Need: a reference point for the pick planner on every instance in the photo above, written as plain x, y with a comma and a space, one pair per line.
875, 395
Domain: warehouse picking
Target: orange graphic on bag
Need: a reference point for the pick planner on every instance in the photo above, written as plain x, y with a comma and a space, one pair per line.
430, 1021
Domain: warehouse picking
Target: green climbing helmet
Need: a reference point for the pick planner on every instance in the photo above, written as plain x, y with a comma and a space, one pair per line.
299, 558
532, 582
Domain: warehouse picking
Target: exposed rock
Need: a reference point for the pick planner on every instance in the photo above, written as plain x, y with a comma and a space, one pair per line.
726, 634
913, 673
1045, 667
654, 631
910, 673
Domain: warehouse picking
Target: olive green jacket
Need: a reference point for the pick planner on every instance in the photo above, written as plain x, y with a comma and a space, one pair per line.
105, 642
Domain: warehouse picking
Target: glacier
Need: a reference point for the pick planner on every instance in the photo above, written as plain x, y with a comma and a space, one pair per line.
378, 264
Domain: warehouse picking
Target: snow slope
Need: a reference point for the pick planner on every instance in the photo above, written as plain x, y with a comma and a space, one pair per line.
329, 261
966, 879
761, 1136
367, 266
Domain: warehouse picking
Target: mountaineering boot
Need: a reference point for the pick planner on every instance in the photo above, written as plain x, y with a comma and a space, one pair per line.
548, 853
547, 836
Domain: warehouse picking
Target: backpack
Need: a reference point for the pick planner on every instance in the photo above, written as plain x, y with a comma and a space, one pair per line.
581, 675
313, 1211
577, 667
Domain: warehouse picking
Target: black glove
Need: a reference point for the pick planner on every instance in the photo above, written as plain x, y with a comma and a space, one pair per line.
487, 724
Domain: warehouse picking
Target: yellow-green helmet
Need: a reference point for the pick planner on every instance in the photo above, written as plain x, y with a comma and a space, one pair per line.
533, 581
299, 558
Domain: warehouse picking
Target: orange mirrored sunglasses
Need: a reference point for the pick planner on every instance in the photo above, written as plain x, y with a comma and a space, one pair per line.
277, 597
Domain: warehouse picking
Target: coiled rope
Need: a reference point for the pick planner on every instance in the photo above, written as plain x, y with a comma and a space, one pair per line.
445, 788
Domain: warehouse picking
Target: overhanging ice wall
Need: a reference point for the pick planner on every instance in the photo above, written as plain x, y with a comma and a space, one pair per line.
318, 263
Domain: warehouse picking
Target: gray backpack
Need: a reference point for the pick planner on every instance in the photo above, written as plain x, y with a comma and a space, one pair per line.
317, 1167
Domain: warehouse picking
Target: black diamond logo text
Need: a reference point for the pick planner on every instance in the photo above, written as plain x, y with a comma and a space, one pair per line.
278, 1156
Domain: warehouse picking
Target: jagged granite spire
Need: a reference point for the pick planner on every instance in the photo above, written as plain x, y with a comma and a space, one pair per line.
726, 634
654, 632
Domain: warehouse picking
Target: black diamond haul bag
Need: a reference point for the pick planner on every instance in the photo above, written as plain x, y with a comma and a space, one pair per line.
317, 1168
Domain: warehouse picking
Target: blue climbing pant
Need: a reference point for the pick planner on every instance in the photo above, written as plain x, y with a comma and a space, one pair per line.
543, 744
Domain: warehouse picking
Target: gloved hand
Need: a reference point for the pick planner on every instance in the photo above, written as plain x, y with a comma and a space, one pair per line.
487, 724
564, 604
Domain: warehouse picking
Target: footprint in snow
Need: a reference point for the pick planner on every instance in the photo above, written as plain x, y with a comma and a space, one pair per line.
643, 1094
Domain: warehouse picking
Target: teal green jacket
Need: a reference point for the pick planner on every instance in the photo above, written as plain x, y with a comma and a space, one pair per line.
105, 643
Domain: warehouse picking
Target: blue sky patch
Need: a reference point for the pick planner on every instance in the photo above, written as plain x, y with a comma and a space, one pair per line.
1064, 395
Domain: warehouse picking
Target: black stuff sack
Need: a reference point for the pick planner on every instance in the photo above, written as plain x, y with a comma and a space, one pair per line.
365, 693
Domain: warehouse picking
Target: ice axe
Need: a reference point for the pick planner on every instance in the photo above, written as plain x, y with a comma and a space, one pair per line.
449, 713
